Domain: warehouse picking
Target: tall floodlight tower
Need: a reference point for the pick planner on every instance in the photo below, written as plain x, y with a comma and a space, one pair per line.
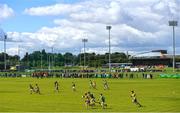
80, 58
41, 59
19, 63
52, 57
173, 24
109, 29
84, 41
5, 38
49, 63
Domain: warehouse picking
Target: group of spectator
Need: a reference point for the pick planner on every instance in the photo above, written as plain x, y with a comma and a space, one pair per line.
119, 75
10, 75
147, 76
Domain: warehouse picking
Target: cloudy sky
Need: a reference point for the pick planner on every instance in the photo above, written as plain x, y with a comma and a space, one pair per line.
137, 25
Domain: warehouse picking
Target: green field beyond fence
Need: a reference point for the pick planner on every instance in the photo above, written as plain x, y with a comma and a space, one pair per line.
169, 75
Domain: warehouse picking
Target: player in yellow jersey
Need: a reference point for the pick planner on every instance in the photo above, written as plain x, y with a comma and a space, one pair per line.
73, 86
134, 99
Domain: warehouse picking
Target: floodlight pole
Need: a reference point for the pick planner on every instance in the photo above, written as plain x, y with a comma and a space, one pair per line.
19, 57
47, 61
41, 59
173, 24
49, 64
173, 49
52, 59
84, 41
5, 37
109, 29
80, 58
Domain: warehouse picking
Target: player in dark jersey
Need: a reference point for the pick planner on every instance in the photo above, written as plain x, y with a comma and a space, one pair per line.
87, 99
31, 88
56, 86
102, 101
92, 99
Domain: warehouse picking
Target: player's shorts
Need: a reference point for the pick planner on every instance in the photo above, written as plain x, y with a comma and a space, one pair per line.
102, 103
92, 100
31, 90
87, 102
134, 100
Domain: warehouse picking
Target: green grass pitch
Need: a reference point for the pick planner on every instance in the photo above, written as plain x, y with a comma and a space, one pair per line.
157, 95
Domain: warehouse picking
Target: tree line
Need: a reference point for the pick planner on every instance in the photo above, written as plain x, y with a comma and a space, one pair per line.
44, 59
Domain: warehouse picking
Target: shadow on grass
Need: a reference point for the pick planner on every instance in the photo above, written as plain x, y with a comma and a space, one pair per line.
109, 108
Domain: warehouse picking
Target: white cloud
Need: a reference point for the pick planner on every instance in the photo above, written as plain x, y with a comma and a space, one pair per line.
56, 9
136, 25
6, 11
12, 51
15, 50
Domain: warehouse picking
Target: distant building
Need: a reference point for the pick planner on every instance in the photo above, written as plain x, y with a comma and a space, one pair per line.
121, 65
21, 67
151, 61
177, 64
153, 58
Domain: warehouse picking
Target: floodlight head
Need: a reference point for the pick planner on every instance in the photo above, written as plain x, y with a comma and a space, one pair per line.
173, 23
5, 36
108, 27
84, 40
